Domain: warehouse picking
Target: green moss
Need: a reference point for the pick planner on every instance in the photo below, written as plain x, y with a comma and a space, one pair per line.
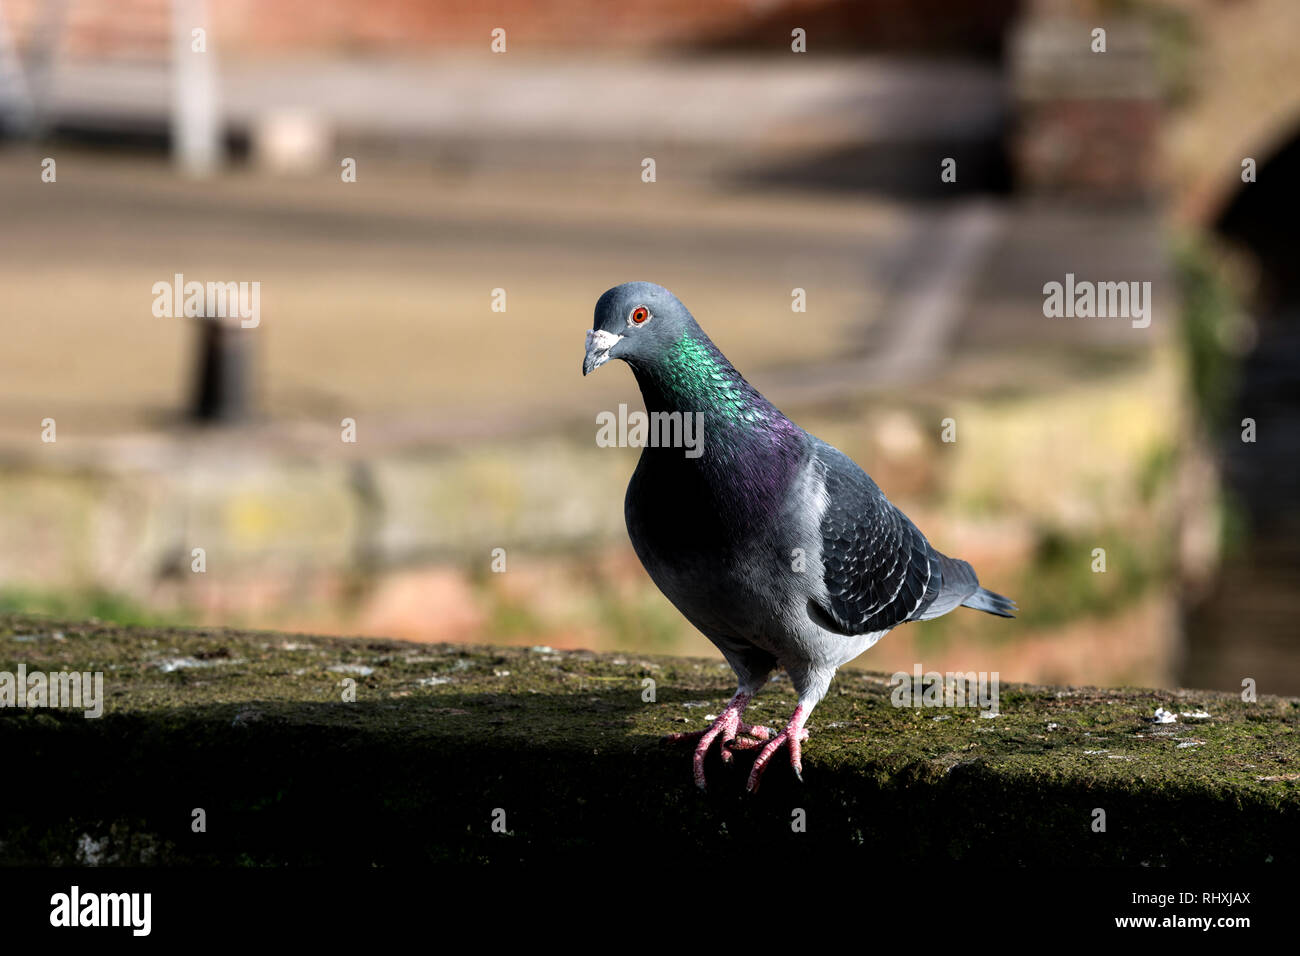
255, 731
1207, 327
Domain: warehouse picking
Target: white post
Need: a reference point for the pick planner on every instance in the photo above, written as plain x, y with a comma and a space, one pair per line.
195, 120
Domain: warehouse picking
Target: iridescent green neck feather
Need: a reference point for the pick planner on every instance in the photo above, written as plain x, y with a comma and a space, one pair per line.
753, 450
692, 375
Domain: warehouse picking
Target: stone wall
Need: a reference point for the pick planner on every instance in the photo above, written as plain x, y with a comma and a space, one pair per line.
563, 751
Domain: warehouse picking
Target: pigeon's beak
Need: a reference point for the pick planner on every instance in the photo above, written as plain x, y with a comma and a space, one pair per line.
598, 345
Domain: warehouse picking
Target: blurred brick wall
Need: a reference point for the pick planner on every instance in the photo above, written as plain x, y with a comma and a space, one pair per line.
94, 29
1086, 122
134, 28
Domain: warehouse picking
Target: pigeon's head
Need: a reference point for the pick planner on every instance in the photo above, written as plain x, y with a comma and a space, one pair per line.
635, 322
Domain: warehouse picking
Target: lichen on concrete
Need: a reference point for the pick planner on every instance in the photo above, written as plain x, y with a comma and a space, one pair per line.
253, 728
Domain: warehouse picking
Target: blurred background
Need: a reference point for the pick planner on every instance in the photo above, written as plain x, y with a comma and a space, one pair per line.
217, 140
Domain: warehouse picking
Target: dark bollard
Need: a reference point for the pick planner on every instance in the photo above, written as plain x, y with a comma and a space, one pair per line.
223, 373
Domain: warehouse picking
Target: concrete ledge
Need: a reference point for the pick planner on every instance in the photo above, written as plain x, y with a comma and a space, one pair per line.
251, 727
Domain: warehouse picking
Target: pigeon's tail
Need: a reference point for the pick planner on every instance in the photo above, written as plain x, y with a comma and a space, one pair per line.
985, 600
957, 585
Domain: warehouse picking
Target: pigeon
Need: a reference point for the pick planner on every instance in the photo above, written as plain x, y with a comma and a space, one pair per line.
773, 543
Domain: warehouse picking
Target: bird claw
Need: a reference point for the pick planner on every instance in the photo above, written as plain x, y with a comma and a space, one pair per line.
752, 738
731, 729
793, 735
735, 735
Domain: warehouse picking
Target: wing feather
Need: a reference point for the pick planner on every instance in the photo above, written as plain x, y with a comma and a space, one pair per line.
878, 568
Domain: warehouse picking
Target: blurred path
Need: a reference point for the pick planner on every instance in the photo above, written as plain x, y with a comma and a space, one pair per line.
370, 287
913, 337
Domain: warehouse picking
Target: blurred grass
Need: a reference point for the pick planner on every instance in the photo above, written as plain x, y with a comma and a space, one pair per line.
88, 604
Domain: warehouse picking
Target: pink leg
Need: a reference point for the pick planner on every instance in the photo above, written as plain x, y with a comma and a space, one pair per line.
793, 735
728, 725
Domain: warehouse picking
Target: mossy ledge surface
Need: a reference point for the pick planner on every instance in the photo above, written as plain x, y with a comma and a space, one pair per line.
252, 728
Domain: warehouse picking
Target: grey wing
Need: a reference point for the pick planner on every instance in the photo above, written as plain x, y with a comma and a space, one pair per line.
878, 568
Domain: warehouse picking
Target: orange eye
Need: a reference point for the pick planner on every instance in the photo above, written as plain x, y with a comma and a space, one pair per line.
639, 315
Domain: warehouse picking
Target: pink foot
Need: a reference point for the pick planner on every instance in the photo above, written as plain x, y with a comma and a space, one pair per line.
793, 735
728, 725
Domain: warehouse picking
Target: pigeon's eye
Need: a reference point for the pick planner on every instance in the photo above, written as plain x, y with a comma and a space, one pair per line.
639, 316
